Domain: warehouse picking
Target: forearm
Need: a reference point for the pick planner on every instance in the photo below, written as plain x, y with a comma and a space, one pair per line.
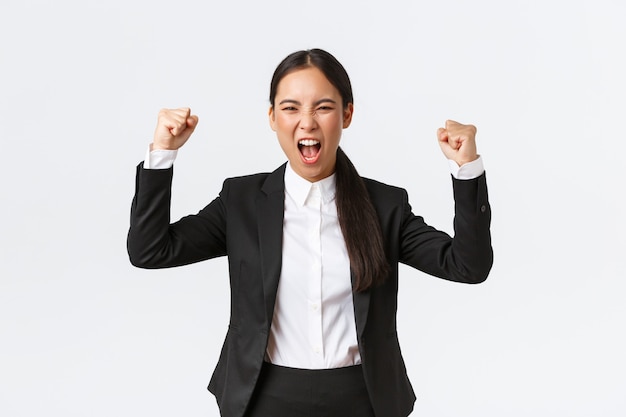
471, 252
150, 217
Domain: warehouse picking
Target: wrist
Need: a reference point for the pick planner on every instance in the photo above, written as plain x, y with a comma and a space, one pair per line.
155, 146
465, 160
468, 170
159, 158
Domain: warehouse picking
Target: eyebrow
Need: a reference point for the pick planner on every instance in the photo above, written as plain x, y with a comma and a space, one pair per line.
317, 103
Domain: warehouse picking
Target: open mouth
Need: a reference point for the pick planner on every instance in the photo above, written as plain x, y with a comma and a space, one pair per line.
309, 149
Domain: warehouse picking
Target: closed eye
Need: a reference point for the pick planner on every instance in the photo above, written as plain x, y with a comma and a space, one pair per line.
324, 109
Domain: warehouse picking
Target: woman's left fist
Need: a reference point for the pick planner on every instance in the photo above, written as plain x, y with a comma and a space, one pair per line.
458, 142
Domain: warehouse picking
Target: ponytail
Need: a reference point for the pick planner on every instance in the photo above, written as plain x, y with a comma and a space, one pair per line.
357, 217
360, 226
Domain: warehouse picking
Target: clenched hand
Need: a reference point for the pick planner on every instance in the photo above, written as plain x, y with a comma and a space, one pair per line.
174, 127
458, 142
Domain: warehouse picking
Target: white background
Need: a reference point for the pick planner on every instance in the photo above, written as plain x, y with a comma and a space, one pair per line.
82, 333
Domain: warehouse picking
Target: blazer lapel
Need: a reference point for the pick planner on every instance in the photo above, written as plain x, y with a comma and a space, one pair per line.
361, 302
270, 214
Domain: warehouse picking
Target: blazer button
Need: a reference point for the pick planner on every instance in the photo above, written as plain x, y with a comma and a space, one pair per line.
483, 208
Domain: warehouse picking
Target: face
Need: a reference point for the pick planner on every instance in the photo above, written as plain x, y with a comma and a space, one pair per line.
308, 118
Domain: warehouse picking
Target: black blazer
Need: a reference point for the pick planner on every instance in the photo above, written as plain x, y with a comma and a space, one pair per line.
245, 223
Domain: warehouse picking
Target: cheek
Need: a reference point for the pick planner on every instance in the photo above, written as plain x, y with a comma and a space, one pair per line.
334, 125
283, 123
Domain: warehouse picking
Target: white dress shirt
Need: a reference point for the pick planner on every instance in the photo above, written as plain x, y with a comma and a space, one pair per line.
313, 326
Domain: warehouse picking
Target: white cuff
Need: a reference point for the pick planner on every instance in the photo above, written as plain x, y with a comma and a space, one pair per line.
159, 159
467, 171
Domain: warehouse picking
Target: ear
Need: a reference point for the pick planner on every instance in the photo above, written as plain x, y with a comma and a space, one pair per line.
348, 111
272, 118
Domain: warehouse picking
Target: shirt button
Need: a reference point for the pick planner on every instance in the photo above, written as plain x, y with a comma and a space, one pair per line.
315, 307
317, 349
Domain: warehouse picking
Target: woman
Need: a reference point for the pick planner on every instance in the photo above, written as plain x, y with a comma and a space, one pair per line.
313, 252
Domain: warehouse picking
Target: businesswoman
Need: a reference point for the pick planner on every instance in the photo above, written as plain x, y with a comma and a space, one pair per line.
313, 252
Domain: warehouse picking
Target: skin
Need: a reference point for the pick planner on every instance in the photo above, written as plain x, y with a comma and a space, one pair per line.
308, 106
458, 142
174, 127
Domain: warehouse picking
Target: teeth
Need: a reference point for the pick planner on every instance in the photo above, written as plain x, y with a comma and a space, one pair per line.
308, 142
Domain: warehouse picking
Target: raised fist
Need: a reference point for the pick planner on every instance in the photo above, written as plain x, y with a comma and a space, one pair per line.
174, 127
458, 142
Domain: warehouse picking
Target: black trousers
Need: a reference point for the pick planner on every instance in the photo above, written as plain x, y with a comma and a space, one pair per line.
291, 392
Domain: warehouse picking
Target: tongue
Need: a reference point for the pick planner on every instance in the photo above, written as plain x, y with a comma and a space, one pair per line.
309, 151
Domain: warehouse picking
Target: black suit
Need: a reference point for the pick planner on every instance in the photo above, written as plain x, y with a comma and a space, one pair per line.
246, 221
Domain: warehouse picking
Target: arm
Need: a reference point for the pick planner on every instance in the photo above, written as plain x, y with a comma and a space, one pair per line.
155, 243
152, 241
468, 256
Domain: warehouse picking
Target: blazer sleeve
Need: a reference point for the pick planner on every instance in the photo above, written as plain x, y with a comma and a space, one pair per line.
468, 256
155, 243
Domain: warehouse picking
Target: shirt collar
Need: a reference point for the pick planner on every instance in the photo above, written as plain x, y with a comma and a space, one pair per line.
299, 188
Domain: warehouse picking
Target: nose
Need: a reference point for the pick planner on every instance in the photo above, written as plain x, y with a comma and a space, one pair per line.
308, 121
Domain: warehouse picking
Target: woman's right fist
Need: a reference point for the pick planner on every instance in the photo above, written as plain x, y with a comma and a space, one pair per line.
174, 127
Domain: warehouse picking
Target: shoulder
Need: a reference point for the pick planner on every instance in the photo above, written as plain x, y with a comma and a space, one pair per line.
250, 180
267, 182
390, 202
379, 189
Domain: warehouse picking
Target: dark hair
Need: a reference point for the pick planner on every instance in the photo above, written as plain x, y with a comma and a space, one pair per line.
357, 217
